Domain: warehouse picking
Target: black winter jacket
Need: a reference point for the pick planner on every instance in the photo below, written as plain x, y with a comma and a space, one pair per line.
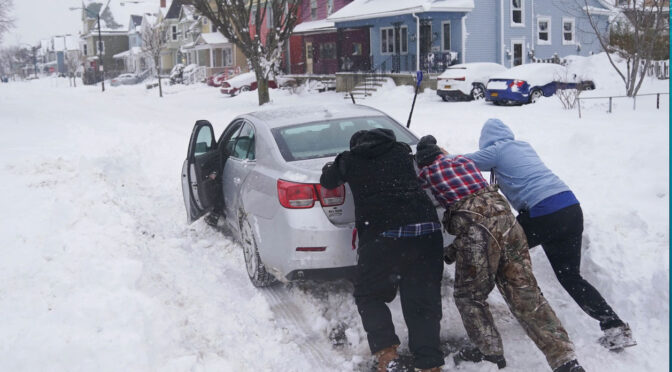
383, 181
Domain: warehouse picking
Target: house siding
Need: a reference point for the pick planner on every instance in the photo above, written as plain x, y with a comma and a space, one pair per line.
482, 39
384, 62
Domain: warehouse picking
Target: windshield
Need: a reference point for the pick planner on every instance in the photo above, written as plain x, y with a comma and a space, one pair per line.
328, 138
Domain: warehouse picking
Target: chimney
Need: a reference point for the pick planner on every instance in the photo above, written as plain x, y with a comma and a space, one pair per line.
163, 3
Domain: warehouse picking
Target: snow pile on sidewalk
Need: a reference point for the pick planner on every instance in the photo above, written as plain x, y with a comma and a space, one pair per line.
99, 270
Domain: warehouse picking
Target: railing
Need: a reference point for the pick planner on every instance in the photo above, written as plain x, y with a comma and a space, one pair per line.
611, 99
197, 75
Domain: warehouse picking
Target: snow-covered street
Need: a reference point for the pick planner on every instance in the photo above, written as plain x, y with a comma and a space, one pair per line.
100, 271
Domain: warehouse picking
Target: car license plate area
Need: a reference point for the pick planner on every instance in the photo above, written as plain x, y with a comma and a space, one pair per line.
494, 94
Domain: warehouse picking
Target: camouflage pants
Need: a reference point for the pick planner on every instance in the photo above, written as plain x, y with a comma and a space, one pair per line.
490, 249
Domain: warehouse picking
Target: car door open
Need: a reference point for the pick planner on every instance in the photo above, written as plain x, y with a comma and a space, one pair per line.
200, 182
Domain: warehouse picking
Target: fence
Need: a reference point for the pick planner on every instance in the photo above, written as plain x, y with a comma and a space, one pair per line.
611, 99
197, 75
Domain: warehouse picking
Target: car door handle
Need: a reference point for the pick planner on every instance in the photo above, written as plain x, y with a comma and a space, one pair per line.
236, 180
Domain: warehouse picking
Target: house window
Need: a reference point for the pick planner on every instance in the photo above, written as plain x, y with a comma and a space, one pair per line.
330, 7
445, 37
174, 33
544, 31
228, 56
328, 50
356, 49
568, 36
404, 40
387, 40
86, 49
100, 47
313, 9
517, 13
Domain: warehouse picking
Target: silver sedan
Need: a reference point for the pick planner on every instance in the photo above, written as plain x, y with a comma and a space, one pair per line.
262, 175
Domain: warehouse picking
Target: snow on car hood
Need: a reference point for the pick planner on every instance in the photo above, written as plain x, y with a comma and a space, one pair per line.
242, 79
538, 74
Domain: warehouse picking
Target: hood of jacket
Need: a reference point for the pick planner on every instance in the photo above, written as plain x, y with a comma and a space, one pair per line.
372, 143
494, 131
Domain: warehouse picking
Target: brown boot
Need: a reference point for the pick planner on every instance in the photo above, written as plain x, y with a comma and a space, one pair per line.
435, 369
386, 356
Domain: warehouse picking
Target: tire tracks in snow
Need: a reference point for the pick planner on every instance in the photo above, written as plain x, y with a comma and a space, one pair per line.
289, 315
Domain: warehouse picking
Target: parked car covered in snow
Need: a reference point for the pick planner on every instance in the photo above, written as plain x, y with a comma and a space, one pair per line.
217, 79
265, 169
529, 82
466, 81
125, 79
243, 83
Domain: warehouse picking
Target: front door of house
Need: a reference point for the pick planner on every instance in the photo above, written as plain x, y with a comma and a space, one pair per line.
517, 47
425, 44
309, 57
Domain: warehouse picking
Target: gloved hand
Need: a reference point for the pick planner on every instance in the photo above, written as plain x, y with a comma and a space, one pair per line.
329, 164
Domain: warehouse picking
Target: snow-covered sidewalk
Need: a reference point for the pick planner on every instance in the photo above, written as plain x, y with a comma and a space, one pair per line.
100, 271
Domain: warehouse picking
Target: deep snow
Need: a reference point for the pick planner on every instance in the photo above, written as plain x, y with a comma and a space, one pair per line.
100, 271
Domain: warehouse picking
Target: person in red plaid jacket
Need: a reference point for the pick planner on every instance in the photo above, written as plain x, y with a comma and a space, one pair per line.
489, 249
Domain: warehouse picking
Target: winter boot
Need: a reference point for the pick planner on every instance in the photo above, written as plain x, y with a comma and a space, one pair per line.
212, 219
618, 338
571, 366
473, 354
387, 358
435, 369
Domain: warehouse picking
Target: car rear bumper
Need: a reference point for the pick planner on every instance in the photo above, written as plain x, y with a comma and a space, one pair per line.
506, 96
291, 230
456, 95
347, 272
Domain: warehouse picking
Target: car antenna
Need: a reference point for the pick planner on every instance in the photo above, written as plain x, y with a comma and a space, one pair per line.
418, 80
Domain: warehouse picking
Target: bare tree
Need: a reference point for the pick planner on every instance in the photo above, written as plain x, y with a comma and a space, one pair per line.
6, 22
633, 37
233, 19
153, 40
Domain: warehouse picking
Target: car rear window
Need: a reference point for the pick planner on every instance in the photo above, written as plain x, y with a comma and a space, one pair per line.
328, 138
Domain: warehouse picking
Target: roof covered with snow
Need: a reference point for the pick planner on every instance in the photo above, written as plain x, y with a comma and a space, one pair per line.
314, 26
115, 15
366, 9
214, 38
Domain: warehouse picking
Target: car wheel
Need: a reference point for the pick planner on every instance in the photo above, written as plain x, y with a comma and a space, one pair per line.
244, 88
535, 95
256, 270
478, 93
445, 98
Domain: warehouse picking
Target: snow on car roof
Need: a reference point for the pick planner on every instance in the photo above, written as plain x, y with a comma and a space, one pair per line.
537, 73
291, 115
242, 79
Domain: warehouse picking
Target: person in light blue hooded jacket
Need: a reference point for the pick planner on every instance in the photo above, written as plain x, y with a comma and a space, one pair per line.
550, 215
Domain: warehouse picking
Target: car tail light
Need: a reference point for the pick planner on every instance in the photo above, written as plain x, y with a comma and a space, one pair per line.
460, 79
518, 83
331, 198
294, 195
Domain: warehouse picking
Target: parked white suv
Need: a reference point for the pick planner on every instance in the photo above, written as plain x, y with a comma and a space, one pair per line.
466, 81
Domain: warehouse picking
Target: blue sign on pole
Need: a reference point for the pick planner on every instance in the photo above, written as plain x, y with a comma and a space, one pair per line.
418, 77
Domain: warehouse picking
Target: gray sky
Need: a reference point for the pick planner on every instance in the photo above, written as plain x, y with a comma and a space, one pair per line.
40, 19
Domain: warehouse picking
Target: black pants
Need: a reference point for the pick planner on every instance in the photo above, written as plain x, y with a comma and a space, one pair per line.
414, 266
559, 233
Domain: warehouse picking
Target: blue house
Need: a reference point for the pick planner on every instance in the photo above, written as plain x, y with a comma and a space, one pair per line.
433, 34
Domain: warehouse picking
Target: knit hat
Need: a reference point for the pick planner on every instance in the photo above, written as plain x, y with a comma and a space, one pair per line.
427, 151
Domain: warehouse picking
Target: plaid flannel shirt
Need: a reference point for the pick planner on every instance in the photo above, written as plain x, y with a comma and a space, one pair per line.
451, 179
412, 230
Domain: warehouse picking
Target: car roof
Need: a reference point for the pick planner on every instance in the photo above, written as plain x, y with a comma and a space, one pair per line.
292, 115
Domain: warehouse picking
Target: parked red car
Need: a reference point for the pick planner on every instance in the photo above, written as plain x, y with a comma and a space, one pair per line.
243, 83
217, 79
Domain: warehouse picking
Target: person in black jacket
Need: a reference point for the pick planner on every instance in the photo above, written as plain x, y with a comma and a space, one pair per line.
400, 246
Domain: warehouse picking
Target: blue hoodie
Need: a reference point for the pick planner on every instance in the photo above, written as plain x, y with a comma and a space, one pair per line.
521, 175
